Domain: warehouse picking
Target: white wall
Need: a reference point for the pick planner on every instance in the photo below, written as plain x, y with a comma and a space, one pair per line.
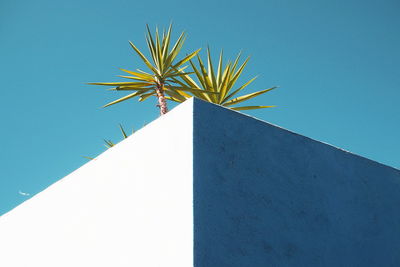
209, 187
131, 206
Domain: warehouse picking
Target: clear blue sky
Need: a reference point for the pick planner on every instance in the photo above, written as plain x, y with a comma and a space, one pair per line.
336, 62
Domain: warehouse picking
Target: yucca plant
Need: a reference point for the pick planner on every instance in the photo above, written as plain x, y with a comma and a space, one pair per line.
164, 71
108, 143
221, 82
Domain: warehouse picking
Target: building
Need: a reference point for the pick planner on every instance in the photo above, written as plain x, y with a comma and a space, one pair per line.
206, 186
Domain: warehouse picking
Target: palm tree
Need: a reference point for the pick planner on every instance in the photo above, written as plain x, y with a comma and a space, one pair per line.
160, 81
220, 83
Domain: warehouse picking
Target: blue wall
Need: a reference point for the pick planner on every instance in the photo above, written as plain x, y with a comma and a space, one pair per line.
264, 196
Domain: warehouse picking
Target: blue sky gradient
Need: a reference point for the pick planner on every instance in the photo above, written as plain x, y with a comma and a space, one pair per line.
336, 62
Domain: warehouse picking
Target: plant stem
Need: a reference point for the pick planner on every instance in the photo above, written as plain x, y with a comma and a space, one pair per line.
162, 103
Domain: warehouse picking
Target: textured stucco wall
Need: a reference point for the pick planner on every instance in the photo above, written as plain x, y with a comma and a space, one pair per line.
264, 196
132, 206
232, 191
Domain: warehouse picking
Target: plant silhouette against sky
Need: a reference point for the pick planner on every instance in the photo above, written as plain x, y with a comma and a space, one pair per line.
158, 81
221, 82
167, 80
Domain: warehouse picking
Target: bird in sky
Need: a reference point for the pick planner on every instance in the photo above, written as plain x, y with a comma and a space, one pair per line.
23, 193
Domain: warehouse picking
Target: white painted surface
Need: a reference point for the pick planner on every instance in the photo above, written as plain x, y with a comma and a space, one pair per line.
131, 206
234, 190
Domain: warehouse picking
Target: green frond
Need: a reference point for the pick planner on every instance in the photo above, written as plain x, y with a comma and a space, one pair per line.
176, 95
173, 99
109, 143
143, 97
123, 131
123, 98
246, 97
185, 59
238, 90
218, 85
164, 69
117, 84
140, 75
250, 107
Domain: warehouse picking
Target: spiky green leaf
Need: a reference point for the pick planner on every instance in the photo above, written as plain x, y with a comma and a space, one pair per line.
250, 107
247, 97
123, 98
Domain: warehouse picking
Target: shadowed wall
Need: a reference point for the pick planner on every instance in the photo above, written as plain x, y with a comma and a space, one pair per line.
209, 187
264, 196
